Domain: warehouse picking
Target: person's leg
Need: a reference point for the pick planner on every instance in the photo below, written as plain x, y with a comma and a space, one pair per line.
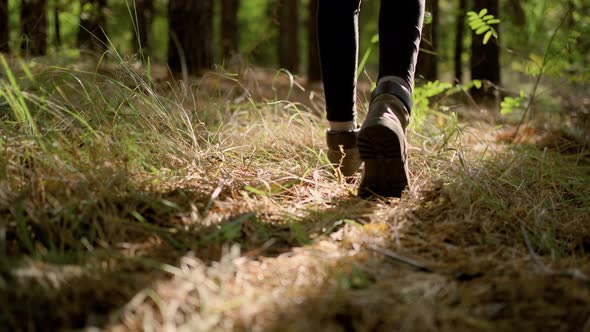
382, 138
338, 45
400, 30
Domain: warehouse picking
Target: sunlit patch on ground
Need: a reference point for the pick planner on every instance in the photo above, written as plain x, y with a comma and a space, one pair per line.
136, 208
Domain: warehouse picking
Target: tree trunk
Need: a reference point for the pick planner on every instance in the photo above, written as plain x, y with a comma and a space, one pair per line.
314, 70
143, 27
4, 28
191, 35
485, 59
33, 27
229, 28
289, 35
459, 34
427, 66
56, 25
93, 23
518, 15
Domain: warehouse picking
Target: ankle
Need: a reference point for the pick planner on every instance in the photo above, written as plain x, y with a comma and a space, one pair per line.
343, 126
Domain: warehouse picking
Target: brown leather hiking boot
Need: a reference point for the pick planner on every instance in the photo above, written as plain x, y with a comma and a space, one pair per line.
382, 142
343, 151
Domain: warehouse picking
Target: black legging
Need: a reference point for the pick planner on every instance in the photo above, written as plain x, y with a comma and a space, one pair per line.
400, 28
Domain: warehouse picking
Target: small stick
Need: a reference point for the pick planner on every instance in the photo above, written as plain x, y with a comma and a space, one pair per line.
401, 259
532, 252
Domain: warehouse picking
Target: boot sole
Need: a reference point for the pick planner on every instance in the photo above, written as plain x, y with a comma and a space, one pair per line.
385, 171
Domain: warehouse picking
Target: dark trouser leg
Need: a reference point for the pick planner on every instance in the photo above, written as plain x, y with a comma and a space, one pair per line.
338, 43
400, 29
382, 139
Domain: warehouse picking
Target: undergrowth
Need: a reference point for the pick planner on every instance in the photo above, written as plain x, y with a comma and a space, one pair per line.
131, 204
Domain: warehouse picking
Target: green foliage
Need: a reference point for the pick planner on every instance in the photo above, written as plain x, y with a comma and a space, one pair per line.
509, 104
365, 58
298, 233
424, 93
482, 23
12, 93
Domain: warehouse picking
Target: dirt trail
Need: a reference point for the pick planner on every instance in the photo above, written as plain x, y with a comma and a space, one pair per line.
477, 244
256, 233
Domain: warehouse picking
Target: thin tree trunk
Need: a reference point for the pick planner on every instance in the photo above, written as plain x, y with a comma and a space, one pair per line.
191, 35
143, 26
459, 34
92, 30
289, 35
230, 38
4, 28
314, 70
427, 66
485, 59
33, 27
56, 25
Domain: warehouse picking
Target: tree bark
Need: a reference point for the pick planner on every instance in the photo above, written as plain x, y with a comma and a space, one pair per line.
4, 28
92, 31
289, 35
143, 27
191, 35
314, 70
485, 59
427, 66
459, 34
33, 27
230, 38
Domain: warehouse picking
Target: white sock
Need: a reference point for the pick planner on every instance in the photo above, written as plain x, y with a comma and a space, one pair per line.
342, 126
395, 79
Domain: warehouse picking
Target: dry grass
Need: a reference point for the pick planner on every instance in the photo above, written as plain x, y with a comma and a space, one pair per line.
215, 209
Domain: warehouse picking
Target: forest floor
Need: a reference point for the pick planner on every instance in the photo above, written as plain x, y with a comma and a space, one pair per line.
130, 204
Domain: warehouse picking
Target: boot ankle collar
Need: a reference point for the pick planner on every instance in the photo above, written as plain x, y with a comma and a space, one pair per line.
392, 88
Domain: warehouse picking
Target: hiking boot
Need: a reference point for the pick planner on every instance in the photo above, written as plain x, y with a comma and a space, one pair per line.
343, 151
382, 142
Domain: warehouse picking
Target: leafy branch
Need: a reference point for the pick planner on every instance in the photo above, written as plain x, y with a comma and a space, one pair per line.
482, 23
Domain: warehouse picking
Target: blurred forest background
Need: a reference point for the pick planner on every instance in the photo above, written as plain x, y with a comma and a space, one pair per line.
516, 55
273, 33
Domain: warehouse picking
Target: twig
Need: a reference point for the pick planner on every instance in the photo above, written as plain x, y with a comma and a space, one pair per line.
532, 252
541, 73
401, 259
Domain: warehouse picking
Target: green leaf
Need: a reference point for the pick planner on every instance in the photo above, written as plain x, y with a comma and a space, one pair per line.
427, 18
477, 25
255, 191
494, 21
477, 84
482, 30
488, 17
487, 37
483, 12
375, 39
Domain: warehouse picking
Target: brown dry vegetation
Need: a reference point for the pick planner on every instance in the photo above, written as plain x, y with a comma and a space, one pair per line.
216, 210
